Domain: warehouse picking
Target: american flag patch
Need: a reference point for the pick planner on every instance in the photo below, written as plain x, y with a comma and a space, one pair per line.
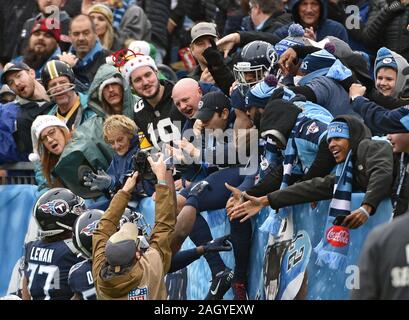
138, 294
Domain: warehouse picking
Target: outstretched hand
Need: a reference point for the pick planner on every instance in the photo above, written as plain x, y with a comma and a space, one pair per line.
249, 208
235, 199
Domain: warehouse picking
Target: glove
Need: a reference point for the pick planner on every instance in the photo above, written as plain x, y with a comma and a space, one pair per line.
212, 55
198, 188
219, 244
100, 181
395, 7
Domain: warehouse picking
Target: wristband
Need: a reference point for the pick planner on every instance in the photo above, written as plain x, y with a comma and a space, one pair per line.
362, 209
163, 182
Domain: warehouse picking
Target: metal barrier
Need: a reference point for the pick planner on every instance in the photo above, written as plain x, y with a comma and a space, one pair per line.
19, 174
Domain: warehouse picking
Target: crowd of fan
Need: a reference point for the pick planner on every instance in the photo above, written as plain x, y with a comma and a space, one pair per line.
89, 87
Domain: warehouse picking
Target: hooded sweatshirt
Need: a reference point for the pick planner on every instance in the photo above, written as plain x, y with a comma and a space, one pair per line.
326, 27
372, 172
105, 72
388, 58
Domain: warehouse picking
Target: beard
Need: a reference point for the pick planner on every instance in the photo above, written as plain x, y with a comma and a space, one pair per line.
36, 60
153, 94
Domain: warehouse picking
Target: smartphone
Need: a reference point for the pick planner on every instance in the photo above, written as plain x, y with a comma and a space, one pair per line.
339, 220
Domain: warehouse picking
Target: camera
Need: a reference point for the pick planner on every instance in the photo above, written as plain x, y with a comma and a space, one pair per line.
141, 164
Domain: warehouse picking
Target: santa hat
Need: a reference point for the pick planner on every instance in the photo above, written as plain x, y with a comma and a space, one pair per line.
39, 124
135, 63
107, 82
143, 47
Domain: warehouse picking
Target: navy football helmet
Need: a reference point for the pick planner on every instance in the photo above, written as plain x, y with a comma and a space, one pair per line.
84, 227
56, 210
256, 60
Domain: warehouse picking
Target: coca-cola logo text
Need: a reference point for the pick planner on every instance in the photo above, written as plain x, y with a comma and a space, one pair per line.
338, 236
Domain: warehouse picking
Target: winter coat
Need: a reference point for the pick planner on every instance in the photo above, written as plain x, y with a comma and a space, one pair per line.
122, 165
372, 172
380, 120
104, 73
82, 114
134, 24
272, 24
326, 27
158, 12
148, 272
388, 27
86, 68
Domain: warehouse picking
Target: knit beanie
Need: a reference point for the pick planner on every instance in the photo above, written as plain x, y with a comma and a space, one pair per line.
107, 82
46, 25
278, 119
39, 124
102, 9
259, 94
338, 129
135, 63
317, 60
295, 37
384, 58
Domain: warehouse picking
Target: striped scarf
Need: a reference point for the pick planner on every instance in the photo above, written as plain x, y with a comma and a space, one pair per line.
119, 12
291, 163
333, 247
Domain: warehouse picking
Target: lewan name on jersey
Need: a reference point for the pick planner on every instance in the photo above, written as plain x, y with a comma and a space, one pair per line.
41, 254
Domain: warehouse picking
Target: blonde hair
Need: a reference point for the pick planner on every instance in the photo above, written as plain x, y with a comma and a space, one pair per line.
49, 160
118, 122
108, 37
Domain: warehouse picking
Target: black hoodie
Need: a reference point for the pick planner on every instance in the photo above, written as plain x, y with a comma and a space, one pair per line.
372, 172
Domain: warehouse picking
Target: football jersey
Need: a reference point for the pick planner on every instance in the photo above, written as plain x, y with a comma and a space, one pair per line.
47, 265
80, 280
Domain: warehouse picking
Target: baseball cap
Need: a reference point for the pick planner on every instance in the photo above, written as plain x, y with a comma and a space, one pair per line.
203, 29
13, 66
121, 247
210, 103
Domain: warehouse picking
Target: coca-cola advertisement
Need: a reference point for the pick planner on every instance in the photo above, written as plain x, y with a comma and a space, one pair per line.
338, 236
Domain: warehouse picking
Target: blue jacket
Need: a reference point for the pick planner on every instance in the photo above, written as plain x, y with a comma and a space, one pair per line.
8, 148
326, 27
382, 121
121, 165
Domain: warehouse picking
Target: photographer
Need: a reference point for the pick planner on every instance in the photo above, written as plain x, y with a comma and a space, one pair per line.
120, 269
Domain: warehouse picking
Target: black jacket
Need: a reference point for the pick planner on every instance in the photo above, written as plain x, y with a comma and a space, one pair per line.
386, 26
13, 14
372, 172
158, 12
